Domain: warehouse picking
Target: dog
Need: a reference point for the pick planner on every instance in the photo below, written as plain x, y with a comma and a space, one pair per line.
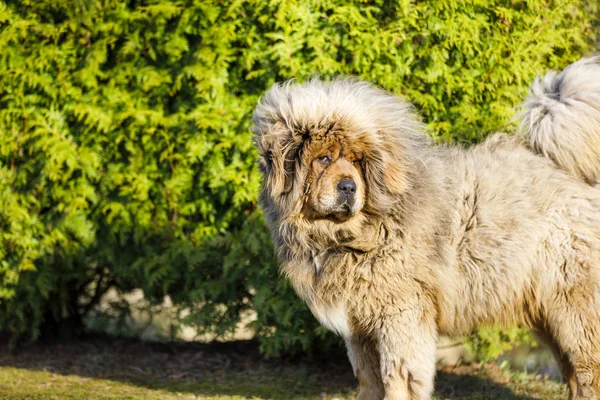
392, 240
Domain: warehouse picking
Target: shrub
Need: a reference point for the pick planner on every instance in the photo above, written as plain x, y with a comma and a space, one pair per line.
125, 152
488, 343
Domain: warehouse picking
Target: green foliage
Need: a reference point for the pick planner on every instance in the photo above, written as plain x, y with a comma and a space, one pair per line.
125, 151
488, 343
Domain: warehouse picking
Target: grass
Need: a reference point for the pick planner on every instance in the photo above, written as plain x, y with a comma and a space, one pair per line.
17, 383
102, 368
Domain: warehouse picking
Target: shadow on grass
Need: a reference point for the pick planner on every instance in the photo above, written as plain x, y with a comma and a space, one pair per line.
227, 369
462, 386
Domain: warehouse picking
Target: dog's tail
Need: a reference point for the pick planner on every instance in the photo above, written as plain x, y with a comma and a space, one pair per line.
561, 118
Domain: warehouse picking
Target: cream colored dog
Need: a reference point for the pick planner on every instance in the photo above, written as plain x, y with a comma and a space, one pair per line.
392, 241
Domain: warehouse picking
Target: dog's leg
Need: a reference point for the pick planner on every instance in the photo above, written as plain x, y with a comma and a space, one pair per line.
365, 362
574, 322
566, 367
407, 348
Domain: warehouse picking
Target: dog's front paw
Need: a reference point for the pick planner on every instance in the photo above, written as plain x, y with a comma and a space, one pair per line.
369, 394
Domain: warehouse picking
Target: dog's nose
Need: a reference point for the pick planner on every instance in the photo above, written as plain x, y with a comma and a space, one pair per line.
347, 186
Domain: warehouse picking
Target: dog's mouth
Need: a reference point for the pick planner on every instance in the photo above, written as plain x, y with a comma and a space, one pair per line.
339, 209
344, 211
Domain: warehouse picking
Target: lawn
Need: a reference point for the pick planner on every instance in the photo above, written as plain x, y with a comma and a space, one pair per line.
102, 368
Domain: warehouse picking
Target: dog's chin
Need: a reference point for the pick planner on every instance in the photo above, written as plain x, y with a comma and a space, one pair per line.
339, 214
341, 217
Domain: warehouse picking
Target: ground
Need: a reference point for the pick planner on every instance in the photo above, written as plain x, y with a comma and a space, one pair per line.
104, 368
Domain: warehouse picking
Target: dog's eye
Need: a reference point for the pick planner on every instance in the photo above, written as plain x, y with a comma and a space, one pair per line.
325, 160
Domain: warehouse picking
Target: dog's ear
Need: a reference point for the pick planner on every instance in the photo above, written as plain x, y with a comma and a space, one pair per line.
275, 158
395, 146
395, 168
387, 175
278, 139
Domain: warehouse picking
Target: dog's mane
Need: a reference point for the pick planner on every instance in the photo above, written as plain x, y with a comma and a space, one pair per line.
386, 128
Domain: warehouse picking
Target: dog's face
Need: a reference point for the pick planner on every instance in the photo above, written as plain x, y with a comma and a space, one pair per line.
332, 151
337, 186
319, 174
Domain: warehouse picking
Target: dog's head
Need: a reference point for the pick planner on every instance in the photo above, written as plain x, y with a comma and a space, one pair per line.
334, 150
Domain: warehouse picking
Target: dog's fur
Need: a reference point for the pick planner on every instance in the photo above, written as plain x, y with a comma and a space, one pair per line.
437, 239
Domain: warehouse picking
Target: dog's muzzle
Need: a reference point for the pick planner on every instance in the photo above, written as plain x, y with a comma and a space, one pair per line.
345, 199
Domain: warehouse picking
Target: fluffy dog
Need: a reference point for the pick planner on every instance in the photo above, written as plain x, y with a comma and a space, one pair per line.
392, 241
